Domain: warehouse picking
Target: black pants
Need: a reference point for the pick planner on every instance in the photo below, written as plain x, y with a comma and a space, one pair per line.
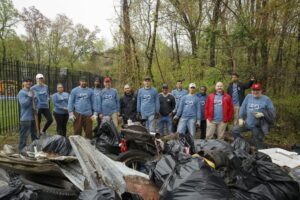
61, 123
47, 115
203, 129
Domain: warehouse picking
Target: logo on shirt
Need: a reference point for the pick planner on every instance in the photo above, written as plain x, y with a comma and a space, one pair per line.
107, 97
253, 106
217, 102
189, 103
178, 97
202, 103
83, 96
146, 97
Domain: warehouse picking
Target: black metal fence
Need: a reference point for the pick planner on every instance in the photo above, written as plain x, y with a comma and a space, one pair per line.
11, 74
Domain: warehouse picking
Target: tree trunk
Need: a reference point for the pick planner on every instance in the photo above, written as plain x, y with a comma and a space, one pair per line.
153, 41
214, 22
177, 50
297, 80
127, 44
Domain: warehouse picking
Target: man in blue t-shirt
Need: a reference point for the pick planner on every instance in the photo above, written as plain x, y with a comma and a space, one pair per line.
189, 111
236, 90
202, 97
257, 114
27, 125
148, 104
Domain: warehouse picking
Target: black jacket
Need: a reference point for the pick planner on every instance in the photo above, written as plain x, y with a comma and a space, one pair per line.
241, 90
267, 121
128, 106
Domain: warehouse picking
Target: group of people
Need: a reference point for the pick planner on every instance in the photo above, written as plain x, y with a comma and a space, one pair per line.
211, 113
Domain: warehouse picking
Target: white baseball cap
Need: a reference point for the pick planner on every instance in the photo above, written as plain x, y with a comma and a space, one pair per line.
192, 85
39, 76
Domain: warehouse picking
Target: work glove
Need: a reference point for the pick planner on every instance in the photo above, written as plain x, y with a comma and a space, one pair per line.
258, 115
198, 123
241, 122
157, 115
30, 93
72, 117
94, 116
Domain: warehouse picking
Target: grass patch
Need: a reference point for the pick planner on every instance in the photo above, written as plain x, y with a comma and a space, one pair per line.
9, 115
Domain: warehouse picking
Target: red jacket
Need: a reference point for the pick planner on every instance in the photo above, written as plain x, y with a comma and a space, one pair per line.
227, 106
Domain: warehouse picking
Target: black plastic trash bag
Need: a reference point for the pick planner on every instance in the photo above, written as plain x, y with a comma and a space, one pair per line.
264, 179
131, 196
218, 145
16, 190
103, 193
240, 143
173, 147
161, 169
192, 179
107, 139
54, 144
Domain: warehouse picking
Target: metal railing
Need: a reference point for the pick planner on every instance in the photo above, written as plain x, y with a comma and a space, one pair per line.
11, 74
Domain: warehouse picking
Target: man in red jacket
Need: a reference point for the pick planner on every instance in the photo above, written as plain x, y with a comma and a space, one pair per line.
218, 112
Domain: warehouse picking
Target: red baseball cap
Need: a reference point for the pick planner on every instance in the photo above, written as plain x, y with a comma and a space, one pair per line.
256, 86
107, 79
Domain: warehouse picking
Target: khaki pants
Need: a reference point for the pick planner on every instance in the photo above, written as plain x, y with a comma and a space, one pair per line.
115, 119
236, 115
84, 122
212, 126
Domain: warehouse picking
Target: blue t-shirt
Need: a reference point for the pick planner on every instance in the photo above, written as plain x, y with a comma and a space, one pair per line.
41, 95
235, 95
109, 101
82, 99
97, 100
202, 99
218, 109
148, 102
25, 105
60, 101
178, 94
189, 107
251, 105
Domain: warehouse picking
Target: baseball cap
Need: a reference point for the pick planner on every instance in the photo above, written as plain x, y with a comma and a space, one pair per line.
256, 86
192, 85
27, 79
83, 78
39, 76
165, 86
147, 78
107, 79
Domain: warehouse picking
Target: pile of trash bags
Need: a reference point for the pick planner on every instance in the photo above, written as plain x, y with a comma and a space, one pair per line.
236, 174
12, 188
56, 144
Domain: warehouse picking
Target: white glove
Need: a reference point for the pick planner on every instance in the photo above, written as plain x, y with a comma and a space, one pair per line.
258, 115
176, 117
30, 93
94, 117
72, 116
241, 122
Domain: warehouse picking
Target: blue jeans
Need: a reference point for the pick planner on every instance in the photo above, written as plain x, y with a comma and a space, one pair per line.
257, 137
187, 123
150, 122
165, 120
26, 127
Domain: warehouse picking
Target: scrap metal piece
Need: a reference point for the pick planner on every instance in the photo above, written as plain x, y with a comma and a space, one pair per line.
100, 169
